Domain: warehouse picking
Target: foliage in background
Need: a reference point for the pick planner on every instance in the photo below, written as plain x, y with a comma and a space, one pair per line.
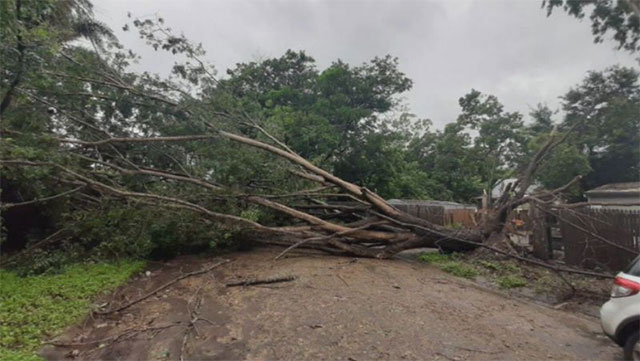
621, 18
605, 109
36, 308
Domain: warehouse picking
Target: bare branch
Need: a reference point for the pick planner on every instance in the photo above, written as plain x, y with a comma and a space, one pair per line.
40, 200
324, 238
181, 138
176, 202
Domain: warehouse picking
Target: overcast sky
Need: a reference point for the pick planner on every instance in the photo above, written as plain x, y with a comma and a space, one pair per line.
508, 48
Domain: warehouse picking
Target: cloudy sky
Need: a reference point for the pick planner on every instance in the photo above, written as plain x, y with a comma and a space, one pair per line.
508, 48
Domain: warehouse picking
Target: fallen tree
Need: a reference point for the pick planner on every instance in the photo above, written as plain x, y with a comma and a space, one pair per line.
373, 228
98, 132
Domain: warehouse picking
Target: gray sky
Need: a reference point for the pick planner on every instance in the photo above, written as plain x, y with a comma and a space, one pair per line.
508, 48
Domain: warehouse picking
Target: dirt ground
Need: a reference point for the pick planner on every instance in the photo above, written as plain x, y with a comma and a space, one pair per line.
336, 308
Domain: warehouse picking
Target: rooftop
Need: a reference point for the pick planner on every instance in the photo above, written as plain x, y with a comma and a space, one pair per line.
628, 187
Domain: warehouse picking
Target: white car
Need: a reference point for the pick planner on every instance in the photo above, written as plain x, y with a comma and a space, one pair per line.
620, 316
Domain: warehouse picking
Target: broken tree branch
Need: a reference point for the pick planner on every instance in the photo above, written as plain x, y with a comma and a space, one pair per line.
113, 339
164, 286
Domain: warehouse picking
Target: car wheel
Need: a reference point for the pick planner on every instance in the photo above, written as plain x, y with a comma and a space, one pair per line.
632, 347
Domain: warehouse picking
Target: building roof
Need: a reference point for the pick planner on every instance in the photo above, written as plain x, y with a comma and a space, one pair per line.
445, 204
628, 188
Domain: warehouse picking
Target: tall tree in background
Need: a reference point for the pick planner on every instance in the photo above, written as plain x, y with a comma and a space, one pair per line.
447, 156
320, 112
564, 164
605, 109
500, 141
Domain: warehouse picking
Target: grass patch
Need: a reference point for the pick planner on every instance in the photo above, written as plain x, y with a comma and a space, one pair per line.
490, 265
436, 257
511, 281
450, 263
459, 269
34, 308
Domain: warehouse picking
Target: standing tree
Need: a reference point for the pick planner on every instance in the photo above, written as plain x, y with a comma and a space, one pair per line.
605, 110
621, 17
500, 139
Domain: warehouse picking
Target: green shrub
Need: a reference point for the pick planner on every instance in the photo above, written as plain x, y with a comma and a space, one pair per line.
511, 281
459, 269
37, 307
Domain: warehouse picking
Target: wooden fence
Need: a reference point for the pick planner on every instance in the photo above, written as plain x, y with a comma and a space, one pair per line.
461, 217
603, 238
433, 214
438, 215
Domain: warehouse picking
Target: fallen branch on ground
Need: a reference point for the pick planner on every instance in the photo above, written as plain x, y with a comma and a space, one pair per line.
261, 282
193, 319
115, 338
161, 288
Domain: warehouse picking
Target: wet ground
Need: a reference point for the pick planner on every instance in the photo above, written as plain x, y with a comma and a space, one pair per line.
337, 308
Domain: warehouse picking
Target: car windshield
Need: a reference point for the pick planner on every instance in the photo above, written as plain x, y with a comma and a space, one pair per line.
634, 267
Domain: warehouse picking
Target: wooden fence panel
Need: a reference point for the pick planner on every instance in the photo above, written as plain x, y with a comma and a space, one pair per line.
463, 217
433, 214
581, 246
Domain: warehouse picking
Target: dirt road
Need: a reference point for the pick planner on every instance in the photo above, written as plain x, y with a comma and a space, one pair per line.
337, 308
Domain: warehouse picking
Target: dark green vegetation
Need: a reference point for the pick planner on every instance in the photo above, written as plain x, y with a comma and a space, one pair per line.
35, 308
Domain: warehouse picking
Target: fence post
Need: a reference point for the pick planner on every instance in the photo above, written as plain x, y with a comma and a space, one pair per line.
540, 233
